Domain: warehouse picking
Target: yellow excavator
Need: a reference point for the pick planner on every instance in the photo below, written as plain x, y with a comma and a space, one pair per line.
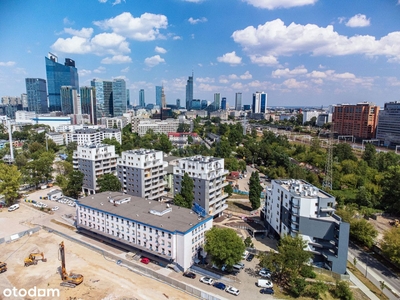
3, 267
32, 260
71, 280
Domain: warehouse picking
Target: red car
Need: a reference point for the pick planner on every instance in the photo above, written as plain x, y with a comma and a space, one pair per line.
145, 260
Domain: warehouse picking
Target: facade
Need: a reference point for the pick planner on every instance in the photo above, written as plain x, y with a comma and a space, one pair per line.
323, 119
189, 92
180, 139
259, 103
24, 100
178, 103
142, 101
217, 101
141, 126
222, 114
173, 234
238, 101
94, 160
56, 137
209, 178
295, 207
57, 76
159, 95
117, 122
359, 120
52, 121
119, 98
22, 116
141, 173
223, 103
36, 94
104, 89
88, 103
69, 100
309, 114
388, 129
88, 136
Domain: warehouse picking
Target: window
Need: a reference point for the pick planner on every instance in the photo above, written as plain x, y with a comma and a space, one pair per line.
169, 235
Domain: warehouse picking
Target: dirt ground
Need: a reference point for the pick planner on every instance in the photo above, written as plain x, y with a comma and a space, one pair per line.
381, 224
103, 279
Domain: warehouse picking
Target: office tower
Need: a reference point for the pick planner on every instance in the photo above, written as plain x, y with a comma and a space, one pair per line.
359, 120
259, 103
142, 102
238, 101
204, 104
88, 103
388, 129
24, 100
178, 103
163, 100
69, 100
217, 101
189, 92
159, 95
223, 103
128, 98
103, 97
141, 173
36, 94
297, 208
118, 97
209, 177
196, 104
59, 75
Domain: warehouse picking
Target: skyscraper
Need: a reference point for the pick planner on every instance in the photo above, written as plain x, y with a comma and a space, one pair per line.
217, 101
69, 100
88, 103
128, 98
158, 95
178, 103
59, 75
163, 100
223, 103
259, 103
118, 97
103, 97
238, 101
189, 92
36, 93
142, 102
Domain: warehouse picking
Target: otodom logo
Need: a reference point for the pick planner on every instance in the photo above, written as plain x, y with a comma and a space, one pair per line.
32, 292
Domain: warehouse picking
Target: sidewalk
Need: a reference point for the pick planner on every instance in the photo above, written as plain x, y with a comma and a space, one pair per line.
362, 287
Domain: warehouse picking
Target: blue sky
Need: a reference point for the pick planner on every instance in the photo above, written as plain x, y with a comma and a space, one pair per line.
300, 52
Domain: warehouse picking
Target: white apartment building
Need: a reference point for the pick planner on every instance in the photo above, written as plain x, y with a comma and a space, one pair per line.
209, 178
24, 116
141, 173
173, 234
141, 126
94, 160
92, 136
309, 114
56, 137
295, 207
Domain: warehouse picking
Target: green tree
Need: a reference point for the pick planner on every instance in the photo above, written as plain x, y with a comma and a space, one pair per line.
115, 143
343, 151
223, 149
74, 186
185, 197
108, 182
224, 246
248, 242
298, 287
163, 144
390, 191
63, 167
316, 289
40, 169
9, 182
342, 290
228, 189
255, 190
363, 231
391, 245
369, 155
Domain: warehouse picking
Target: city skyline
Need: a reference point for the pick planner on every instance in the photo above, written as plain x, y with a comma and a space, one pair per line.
299, 52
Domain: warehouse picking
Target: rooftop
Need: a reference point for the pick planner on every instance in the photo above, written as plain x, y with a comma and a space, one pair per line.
303, 188
169, 217
90, 130
201, 159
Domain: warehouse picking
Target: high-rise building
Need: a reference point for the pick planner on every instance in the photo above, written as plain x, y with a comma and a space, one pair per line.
238, 101
163, 100
159, 95
178, 103
128, 98
69, 100
118, 97
142, 102
59, 75
24, 100
189, 92
36, 93
359, 120
88, 103
223, 103
388, 129
217, 101
196, 104
103, 97
259, 103
203, 104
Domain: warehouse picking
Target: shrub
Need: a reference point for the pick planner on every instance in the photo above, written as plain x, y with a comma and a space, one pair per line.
307, 272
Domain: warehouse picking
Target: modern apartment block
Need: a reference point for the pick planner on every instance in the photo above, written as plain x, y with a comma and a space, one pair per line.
295, 207
170, 233
209, 178
388, 129
92, 136
94, 160
359, 120
141, 173
141, 126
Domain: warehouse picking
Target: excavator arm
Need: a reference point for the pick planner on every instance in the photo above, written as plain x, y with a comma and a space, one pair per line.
70, 280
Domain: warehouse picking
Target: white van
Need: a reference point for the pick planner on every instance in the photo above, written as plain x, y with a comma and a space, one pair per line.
264, 283
13, 207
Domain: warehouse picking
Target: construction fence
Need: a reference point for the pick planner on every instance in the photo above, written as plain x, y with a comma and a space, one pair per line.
16, 236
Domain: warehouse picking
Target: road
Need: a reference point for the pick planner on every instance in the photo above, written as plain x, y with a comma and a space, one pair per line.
376, 272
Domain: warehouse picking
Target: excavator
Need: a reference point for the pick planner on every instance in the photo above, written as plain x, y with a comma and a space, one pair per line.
32, 260
3, 267
395, 223
71, 280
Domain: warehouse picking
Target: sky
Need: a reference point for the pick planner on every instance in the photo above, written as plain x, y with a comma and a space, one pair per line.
299, 52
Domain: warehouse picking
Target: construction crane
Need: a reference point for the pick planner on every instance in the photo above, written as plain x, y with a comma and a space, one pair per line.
3, 267
71, 280
32, 260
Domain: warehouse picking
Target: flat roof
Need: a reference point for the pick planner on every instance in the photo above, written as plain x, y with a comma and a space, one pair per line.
171, 217
310, 191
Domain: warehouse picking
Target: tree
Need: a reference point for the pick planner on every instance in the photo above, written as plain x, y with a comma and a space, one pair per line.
9, 182
248, 242
369, 155
363, 231
74, 186
163, 144
223, 149
224, 246
228, 189
390, 191
391, 245
255, 190
63, 167
185, 197
342, 290
316, 289
115, 143
343, 151
108, 182
40, 169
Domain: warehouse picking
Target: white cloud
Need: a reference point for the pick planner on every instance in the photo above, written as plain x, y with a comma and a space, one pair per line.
153, 61
393, 81
144, 28
292, 83
230, 58
317, 74
66, 21
246, 76
233, 77
116, 2
205, 79
223, 80
237, 86
102, 1
125, 70
195, 21
176, 37
116, 59
160, 50
341, 20
7, 63
193, 1
261, 60
84, 32
300, 70
20, 71
204, 87
83, 72
273, 4
100, 70
274, 38
358, 20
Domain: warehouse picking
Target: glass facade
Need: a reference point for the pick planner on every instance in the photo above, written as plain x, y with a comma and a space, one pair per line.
223, 103
67, 94
238, 101
142, 102
118, 97
36, 93
159, 96
189, 92
259, 103
88, 103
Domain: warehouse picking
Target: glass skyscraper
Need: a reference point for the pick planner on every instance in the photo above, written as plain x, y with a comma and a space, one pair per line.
88, 103
158, 95
36, 93
223, 103
59, 75
68, 96
238, 101
142, 102
189, 92
103, 97
118, 97
259, 103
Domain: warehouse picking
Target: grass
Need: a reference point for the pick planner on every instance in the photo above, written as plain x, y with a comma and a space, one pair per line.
241, 207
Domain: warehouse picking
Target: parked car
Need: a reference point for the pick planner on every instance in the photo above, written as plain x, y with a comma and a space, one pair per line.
250, 257
145, 260
207, 280
245, 254
219, 285
238, 266
55, 208
13, 207
268, 291
264, 283
233, 291
265, 273
189, 275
